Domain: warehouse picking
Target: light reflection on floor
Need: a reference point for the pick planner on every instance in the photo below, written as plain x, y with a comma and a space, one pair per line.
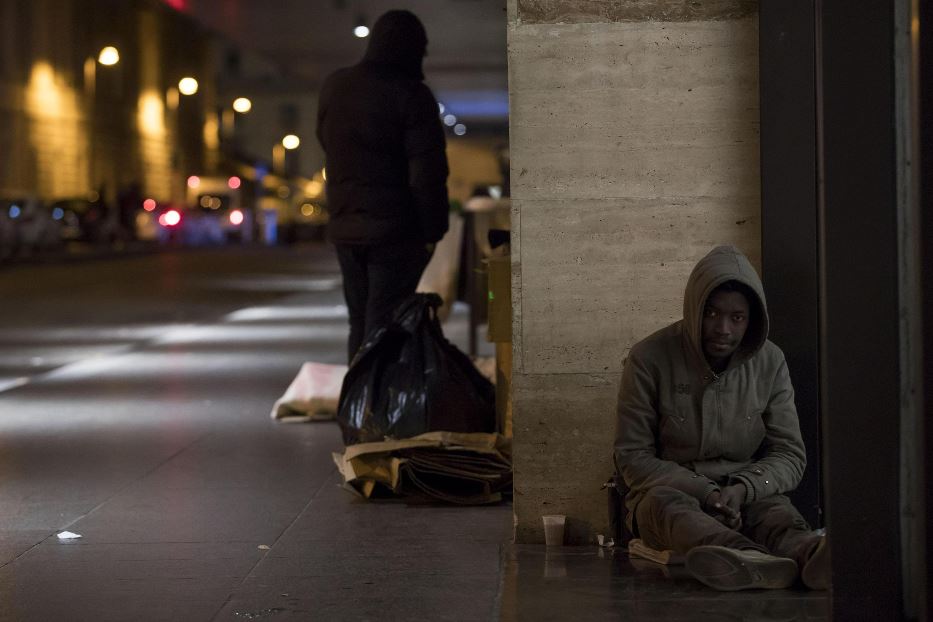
265, 283
266, 314
244, 341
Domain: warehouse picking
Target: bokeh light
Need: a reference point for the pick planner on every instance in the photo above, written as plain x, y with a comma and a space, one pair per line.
109, 56
242, 105
188, 86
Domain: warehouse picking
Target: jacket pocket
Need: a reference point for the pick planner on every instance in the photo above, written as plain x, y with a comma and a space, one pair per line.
676, 433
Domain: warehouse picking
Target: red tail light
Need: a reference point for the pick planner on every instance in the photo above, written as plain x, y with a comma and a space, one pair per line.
170, 218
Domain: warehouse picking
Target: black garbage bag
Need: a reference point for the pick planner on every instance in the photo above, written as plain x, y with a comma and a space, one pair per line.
407, 379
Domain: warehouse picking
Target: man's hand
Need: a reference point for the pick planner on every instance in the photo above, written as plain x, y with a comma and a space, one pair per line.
726, 505
734, 496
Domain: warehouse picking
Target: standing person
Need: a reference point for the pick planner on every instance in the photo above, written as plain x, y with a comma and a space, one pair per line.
386, 171
708, 441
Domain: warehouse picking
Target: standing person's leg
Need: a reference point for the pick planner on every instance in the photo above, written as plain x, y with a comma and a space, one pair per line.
393, 274
353, 259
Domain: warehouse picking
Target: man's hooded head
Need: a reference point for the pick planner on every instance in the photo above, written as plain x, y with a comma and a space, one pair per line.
398, 44
718, 284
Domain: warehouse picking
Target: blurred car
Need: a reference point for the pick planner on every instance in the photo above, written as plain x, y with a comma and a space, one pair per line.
214, 214
217, 219
28, 227
86, 220
158, 222
173, 224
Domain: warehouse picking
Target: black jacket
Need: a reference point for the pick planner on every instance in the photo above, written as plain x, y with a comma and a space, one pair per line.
384, 143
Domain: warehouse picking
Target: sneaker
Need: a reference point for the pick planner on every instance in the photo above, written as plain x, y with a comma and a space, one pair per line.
726, 569
815, 573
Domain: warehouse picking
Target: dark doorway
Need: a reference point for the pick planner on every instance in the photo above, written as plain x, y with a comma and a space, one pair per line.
789, 233
842, 251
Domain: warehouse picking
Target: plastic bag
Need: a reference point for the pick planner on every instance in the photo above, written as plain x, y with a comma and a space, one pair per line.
407, 379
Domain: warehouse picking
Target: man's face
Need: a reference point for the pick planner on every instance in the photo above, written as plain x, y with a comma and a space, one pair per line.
725, 320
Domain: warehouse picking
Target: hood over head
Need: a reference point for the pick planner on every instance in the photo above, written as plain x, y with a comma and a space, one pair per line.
398, 44
724, 263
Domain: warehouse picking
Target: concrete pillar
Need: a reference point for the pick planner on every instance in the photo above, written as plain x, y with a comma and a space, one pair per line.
634, 143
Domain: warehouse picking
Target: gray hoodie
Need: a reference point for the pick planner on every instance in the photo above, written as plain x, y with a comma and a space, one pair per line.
679, 424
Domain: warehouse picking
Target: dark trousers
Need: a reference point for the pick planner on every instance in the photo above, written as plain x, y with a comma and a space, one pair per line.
667, 518
376, 279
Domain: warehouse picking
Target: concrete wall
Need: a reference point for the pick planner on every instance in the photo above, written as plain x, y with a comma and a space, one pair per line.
634, 143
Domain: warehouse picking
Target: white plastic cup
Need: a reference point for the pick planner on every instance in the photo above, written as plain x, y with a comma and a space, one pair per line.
554, 529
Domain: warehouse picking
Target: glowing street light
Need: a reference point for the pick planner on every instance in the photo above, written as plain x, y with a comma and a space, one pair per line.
291, 142
361, 31
188, 86
109, 56
242, 105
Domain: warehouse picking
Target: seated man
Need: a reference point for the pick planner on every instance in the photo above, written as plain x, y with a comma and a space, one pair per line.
707, 439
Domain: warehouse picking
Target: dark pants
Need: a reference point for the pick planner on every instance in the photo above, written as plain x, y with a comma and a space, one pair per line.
376, 279
667, 518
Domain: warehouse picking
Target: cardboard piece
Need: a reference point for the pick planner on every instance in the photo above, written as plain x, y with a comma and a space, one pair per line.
504, 388
637, 548
465, 469
499, 298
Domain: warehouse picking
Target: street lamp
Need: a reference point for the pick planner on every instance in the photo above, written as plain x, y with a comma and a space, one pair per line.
188, 86
109, 56
291, 142
242, 105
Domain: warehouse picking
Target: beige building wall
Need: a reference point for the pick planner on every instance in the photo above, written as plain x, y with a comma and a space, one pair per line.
634, 144
72, 126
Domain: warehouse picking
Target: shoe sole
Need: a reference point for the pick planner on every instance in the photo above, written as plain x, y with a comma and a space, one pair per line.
729, 570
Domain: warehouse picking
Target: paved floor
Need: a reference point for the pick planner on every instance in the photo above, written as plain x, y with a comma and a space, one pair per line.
134, 401
586, 583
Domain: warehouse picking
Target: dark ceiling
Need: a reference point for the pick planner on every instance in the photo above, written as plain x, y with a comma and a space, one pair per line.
309, 38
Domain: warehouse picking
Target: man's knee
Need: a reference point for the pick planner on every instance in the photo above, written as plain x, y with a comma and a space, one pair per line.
661, 499
775, 510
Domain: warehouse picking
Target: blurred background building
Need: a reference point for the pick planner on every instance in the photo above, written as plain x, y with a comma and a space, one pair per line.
117, 101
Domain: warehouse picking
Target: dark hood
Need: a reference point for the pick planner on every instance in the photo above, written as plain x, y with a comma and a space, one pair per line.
397, 45
723, 263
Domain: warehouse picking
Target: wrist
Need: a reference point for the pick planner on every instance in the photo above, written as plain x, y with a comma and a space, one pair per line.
712, 497
743, 490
